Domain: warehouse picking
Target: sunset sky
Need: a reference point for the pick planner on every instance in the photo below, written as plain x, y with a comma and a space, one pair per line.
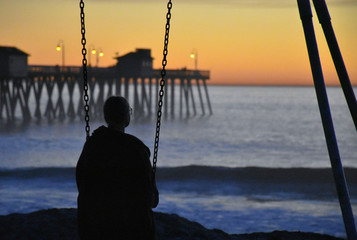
239, 41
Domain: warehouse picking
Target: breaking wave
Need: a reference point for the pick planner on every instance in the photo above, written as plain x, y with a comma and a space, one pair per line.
210, 180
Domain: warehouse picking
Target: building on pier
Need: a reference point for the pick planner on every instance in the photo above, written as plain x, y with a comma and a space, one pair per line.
138, 63
13, 62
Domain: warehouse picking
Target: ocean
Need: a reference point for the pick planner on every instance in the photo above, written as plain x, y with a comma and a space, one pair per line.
258, 164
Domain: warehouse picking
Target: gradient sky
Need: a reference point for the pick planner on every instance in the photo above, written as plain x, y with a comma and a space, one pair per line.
239, 41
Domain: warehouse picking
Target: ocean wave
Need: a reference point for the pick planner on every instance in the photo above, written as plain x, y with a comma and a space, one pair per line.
32, 173
208, 173
281, 183
256, 174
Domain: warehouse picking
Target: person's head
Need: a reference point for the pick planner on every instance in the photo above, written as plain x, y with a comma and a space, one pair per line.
117, 111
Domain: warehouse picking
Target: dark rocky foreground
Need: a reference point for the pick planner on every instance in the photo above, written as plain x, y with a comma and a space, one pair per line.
61, 224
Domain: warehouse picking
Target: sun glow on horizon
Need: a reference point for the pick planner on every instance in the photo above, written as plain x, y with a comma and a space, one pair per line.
239, 45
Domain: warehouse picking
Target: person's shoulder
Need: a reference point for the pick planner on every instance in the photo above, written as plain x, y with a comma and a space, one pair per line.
103, 136
135, 141
100, 132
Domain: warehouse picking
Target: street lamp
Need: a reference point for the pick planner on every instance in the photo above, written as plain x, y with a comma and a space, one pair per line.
194, 55
99, 54
59, 48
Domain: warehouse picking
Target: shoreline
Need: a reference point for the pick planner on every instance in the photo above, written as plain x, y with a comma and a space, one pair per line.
62, 224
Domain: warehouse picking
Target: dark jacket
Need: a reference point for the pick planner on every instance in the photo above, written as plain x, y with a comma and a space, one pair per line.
116, 187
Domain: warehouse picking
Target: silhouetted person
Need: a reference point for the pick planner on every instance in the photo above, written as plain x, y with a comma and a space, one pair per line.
115, 181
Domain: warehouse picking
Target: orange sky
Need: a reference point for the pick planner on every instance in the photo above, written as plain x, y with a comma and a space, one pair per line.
239, 41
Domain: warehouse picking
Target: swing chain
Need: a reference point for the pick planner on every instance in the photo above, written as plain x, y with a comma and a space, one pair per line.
162, 85
85, 78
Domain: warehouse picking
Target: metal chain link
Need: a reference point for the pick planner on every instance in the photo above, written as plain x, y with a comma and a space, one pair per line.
85, 78
162, 85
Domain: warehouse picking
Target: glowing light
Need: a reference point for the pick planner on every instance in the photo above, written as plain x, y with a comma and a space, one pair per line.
194, 55
94, 51
60, 48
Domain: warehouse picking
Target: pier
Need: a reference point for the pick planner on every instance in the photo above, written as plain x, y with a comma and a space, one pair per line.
56, 93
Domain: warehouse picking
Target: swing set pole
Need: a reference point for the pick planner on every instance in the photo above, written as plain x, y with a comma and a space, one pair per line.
338, 173
325, 21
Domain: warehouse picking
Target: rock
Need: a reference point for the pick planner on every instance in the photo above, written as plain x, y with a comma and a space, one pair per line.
45, 224
53, 224
174, 227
